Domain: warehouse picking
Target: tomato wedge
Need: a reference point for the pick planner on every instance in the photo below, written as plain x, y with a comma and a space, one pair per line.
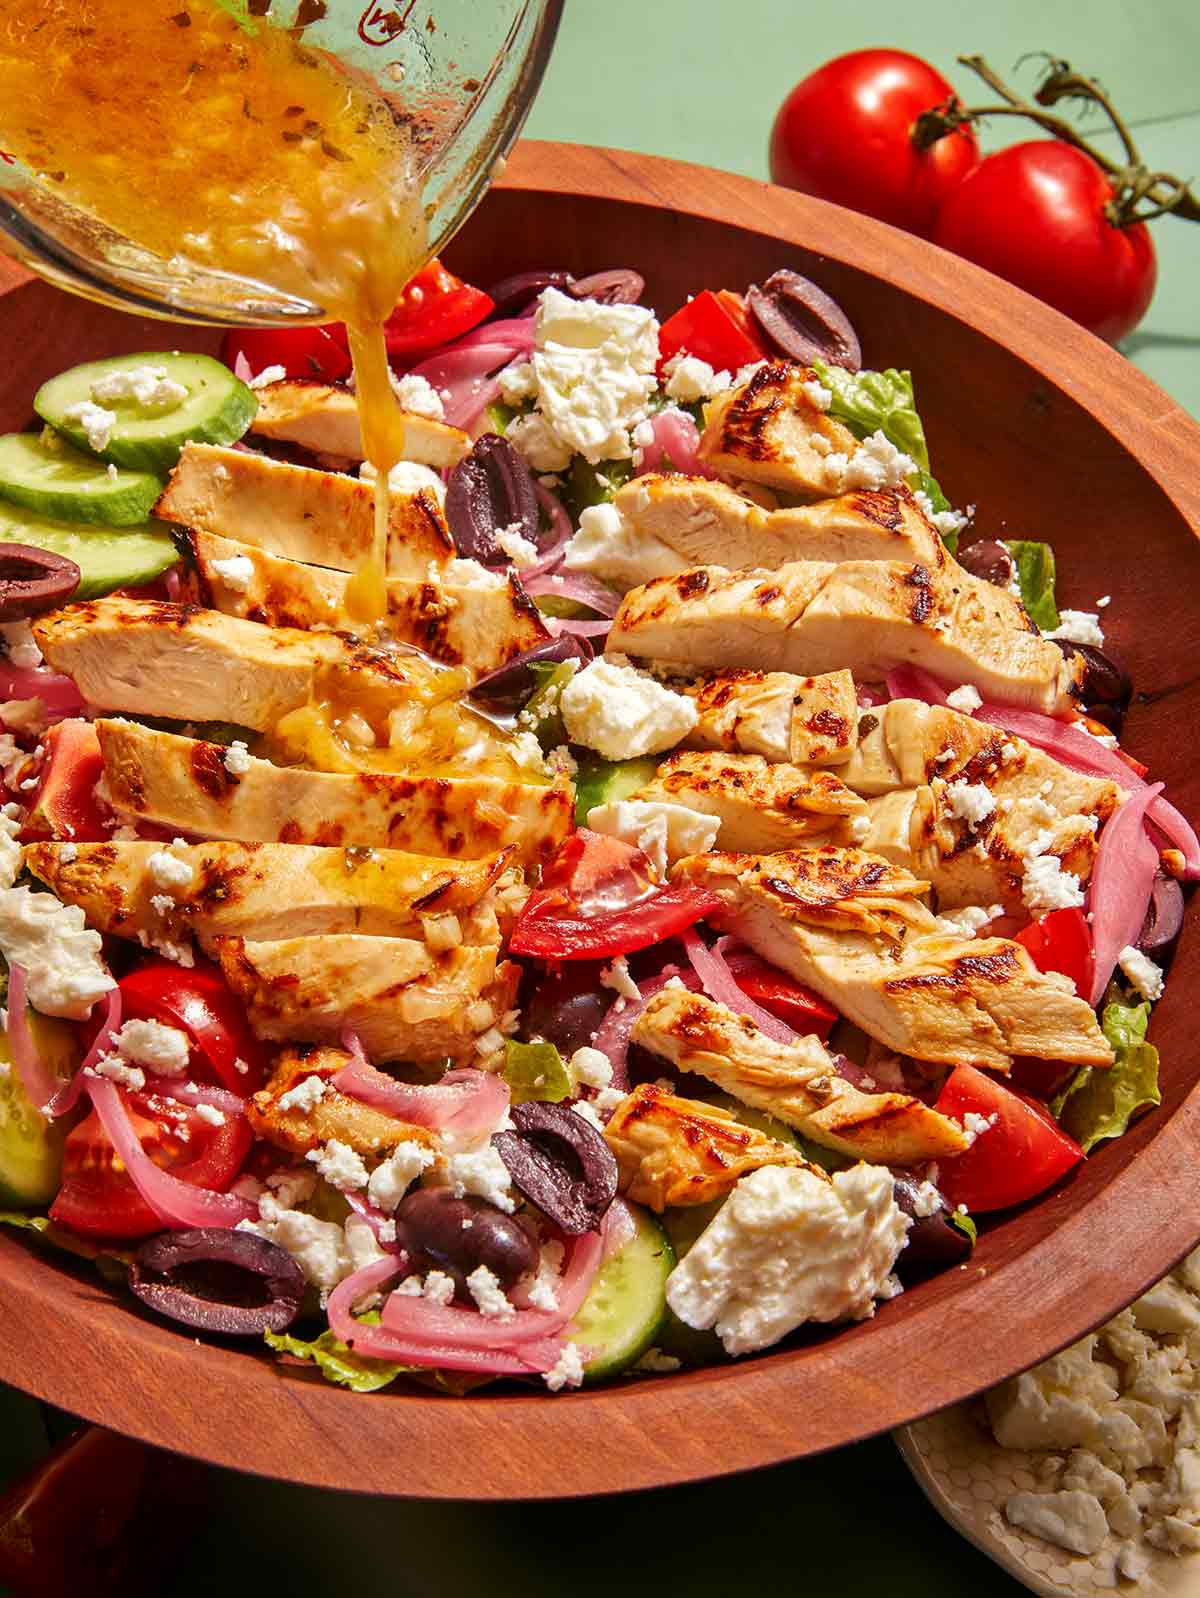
198, 1001
785, 998
65, 803
717, 328
591, 872
435, 308
1020, 1155
318, 354
549, 936
1062, 942
98, 1197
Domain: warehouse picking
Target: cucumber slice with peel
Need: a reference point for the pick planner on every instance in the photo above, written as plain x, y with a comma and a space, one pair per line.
46, 474
147, 434
620, 1317
107, 557
30, 1145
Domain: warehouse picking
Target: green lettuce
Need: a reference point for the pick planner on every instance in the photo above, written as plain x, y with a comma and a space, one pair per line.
964, 1223
1035, 577
1099, 1104
535, 1071
584, 484
337, 1363
541, 711
501, 415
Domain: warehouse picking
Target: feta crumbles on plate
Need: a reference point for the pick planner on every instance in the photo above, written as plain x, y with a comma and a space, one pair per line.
623, 713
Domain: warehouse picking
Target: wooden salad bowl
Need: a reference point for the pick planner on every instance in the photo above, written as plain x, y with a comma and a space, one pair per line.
1052, 435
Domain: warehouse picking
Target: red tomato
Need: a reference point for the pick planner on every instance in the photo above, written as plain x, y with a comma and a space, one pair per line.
1034, 214
1062, 941
98, 1197
549, 936
591, 873
317, 353
435, 308
198, 1000
786, 999
717, 328
64, 803
845, 134
1024, 1153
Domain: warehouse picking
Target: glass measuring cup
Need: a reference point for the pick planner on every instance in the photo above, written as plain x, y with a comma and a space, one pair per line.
456, 76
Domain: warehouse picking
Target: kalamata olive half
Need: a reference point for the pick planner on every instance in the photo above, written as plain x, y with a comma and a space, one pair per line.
620, 285
561, 1163
515, 295
803, 322
1164, 916
33, 581
509, 686
219, 1281
565, 1006
457, 1235
490, 489
988, 558
933, 1240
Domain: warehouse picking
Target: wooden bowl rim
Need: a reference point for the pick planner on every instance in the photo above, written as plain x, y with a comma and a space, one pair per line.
67, 1340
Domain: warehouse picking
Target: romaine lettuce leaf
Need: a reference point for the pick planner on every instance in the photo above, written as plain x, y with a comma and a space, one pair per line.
1035, 576
872, 401
1099, 1104
963, 1222
336, 1362
584, 485
535, 1071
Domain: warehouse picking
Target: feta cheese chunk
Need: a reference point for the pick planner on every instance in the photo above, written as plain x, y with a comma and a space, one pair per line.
418, 396
663, 831
788, 1247
268, 375
568, 1372
165, 1050
305, 1096
875, 464
58, 952
391, 1180
622, 713
1072, 1520
147, 386
340, 1165
1079, 627
168, 870
1144, 976
966, 699
237, 571
690, 379
608, 548
96, 421
408, 478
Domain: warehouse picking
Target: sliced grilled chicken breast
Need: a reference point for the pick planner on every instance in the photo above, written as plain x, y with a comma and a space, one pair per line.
798, 1082
854, 928
187, 784
809, 721
335, 1115
761, 806
404, 1001
673, 1151
325, 420
467, 617
323, 517
257, 891
865, 616
769, 431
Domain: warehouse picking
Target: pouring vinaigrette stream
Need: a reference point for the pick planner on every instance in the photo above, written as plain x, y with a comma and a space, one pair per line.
222, 142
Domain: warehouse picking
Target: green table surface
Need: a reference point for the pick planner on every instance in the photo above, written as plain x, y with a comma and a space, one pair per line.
700, 81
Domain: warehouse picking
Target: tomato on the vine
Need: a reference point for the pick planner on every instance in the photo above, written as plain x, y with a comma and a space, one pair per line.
844, 134
1035, 214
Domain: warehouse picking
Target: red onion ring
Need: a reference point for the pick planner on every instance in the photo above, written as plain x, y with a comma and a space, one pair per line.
466, 1102
677, 441
1122, 883
612, 1036
197, 1093
41, 1090
585, 590
720, 984
58, 693
910, 682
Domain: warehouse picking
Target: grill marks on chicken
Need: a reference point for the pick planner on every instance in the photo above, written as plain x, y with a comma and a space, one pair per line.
769, 431
335, 1115
805, 720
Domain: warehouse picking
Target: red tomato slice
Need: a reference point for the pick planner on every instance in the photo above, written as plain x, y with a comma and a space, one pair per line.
435, 308
1024, 1153
65, 804
1062, 941
198, 1000
318, 354
592, 873
786, 999
549, 936
715, 327
98, 1197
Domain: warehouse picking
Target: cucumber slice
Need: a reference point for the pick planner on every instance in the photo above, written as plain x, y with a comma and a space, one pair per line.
147, 438
599, 781
621, 1315
107, 558
30, 1145
46, 474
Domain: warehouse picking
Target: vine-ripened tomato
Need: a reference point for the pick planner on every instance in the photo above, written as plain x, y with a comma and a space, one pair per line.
1020, 1155
197, 1000
1035, 214
845, 134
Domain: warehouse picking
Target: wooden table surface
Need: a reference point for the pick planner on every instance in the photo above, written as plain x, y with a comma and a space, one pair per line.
700, 80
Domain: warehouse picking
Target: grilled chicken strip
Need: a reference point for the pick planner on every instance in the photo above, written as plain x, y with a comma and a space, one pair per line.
467, 617
761, 807
798, 1082
323, 517
404, 1001
186, 784
325, 420
854, 928
672, 1151
335, 1115
865, 616
808, 721
154, 659
257, 891
769, 431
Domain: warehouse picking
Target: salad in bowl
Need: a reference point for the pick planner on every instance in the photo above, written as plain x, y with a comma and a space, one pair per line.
714, 889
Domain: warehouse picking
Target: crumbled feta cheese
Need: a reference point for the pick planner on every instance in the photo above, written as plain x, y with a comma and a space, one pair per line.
966, 699
568, 1372
268, 375
1045, 885
522, 551
972, 802
663, 831
340, 1165
541, 446
1144, 976
590, 1068
1071, 1520
418, 396
587, 1112
974, 1126
113, 1067
21, 647
210, 1113
439, 1288
304, 1097
147, 386
11, 857
407, 479
237, 759
817, 395
391, 1180
293, 1186
542, 1291
164, 1049
490, 1298
482, 1172
463, 573
168, 870
527, 752
623, 713
655, 1363
162, 903
690, 379
58, 952
617, 551
875, 464
616, 976
970, 920
517, 383
607, 1099
1078, 627
949, 523
788, 1247
237, 572
324, 1251
96, 422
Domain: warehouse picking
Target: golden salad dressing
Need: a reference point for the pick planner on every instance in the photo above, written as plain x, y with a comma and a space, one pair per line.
226, 143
